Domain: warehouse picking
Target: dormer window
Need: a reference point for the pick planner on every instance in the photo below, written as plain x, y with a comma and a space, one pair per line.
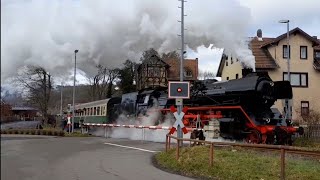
187, 73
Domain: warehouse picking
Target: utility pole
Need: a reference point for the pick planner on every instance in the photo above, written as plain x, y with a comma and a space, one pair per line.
287, 101
74, 87
61, 103
179, 108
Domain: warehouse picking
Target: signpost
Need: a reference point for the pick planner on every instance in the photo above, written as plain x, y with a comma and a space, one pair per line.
179, 90
69, 122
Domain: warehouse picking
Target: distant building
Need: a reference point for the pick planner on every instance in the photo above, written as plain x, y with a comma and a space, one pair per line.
156, 72
6, 110
190, 69
270, 56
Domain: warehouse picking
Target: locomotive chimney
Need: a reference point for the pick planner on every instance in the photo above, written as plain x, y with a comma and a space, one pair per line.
259, 34
246, 71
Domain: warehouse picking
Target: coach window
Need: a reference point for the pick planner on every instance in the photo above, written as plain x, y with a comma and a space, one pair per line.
91, 111
304, 108
104, 110
98, 110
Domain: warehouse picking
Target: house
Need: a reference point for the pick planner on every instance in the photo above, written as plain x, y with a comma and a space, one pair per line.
152, 73
271, 56
190, 69
155, 72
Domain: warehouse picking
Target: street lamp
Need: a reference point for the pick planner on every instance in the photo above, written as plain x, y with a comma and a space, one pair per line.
288, 109
74, 86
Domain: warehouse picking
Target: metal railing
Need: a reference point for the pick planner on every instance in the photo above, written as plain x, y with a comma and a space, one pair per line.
283, 149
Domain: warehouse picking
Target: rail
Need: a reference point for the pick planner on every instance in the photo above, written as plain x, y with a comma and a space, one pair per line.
283, 149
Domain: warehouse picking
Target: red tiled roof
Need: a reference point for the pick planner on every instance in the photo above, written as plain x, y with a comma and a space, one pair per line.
262, 56
174, 70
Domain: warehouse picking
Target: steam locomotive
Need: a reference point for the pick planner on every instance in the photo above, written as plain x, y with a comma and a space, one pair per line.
242, 106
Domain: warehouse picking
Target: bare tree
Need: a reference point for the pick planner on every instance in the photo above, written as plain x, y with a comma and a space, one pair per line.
206, 75
147, 55
37, 84
170, 55
311, 119
101, 84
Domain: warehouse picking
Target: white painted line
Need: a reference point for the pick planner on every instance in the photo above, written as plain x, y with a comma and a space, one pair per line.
129, 147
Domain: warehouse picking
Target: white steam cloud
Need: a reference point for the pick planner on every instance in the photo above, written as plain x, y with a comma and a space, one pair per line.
106, 32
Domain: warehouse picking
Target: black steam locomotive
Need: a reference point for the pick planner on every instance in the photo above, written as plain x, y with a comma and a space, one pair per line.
242, 106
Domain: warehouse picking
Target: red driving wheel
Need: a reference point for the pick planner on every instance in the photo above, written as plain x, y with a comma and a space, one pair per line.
254, 137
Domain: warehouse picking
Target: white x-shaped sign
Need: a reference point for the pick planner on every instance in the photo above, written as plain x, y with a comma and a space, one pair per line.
179, 118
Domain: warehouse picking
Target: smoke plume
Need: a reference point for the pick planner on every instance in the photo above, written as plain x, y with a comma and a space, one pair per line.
106, 32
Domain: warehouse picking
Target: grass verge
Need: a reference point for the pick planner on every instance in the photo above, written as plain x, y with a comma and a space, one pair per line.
47, 132
236, 164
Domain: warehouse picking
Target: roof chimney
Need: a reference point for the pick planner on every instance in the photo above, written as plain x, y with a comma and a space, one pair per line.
259, 34
315, 37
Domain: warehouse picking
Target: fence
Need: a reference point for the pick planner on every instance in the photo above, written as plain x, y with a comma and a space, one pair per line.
312, 131
283, 149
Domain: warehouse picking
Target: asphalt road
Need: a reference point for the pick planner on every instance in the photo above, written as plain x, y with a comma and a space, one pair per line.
93, 158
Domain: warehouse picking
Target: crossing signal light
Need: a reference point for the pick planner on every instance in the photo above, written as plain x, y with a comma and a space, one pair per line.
179, 89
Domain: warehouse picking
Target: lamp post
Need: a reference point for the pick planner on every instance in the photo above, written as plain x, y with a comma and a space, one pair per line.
74, 86
288, 109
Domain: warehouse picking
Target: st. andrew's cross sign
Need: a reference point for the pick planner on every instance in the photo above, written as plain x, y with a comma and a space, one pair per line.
179, 118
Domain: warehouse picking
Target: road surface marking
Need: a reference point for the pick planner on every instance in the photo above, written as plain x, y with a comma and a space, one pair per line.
129, 147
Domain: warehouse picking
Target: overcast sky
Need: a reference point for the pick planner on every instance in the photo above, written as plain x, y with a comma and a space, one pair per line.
46, 32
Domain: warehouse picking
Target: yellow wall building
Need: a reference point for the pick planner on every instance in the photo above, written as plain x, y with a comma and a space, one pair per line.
270, 55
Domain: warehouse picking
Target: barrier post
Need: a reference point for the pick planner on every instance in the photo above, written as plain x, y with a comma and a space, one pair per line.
105, 132
178, 149
169, 143
167, 137
211, 155
282, 163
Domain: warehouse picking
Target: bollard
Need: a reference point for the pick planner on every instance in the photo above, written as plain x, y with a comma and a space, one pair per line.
282, 163
211, 155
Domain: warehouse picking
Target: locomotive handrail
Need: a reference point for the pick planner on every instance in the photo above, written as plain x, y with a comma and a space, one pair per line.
283, 149
219, 107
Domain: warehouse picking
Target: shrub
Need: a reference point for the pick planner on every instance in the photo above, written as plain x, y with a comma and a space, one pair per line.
49, 132
61, 133
33, 131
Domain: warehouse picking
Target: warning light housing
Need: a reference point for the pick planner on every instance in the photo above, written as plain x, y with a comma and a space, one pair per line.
179, 89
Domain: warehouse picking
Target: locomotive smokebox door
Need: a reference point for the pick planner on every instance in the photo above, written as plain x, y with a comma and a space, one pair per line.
179, 90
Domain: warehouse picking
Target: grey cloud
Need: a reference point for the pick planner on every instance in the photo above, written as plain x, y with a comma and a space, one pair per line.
107, 32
